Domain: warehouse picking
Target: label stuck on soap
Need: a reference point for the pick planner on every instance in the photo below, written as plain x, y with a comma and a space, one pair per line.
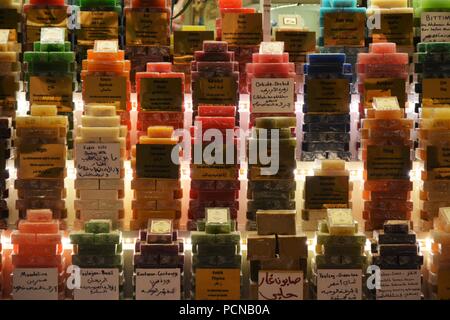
290, 21
37, 18
344, 29
242, 29
187, 42
273, 95
97, 25
42, 161
339, 284
98, 284
324, 192
280, 285
396, 28
97, 160
384, 87
52, 90
53, 35
297, 43
400, 285
328, 95
213, 172
147, 28
158, 284
217, 284
4, 36
161, 226
271, 47
155, 161
216, 91
217, 215
435, 27
388, 162
436, 90
110, 46
161, 94
35, 284
106, 89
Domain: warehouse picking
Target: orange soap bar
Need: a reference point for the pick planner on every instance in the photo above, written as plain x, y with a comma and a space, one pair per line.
40, 250
48, 238
22, 238
20, 261
38, 227
39, 215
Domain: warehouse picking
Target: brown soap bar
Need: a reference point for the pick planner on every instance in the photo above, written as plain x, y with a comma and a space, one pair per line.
292, 246
280, 222
261, 247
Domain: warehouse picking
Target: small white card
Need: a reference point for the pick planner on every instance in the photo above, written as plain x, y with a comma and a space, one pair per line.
158, 284
35, 284
400, 285
435, 27
97, 160
339, 284
273, 95
217, 215
272, 47
290, 21
52, 35
98, 284
4, 36
280, 285
111, 46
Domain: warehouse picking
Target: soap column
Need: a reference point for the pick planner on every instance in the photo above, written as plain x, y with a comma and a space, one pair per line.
41, 153
156, 178
99, 163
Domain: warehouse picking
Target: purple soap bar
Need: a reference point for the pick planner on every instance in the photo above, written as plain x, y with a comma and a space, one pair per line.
215, 46
213, 56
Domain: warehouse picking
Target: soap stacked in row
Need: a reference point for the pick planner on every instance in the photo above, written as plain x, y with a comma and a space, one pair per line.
5, 155
271, 182
214, 76
328, 188
38, 244
156, 178
147, 33
275, 246
214, 175
386, 152
40, 160
99, 163
326, 119
271, 83
160, 97
9, 73
49, 74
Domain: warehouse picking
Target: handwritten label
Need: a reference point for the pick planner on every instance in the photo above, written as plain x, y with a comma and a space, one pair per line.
42, 161
400, 285
297, 43
322, 192
344, 29
339, 284
435, 27
35, 284
218, 284
215, 91
273, 95
213, 172
161, 94
384, 87
395, 27
97, 160
97, 25
147, 28
37, 18
155, 161
240, 29
52, 90
4, 36
388, 162
53, 35
328, 95
98, 284
158, 284
280, 285
106, 89
187, 42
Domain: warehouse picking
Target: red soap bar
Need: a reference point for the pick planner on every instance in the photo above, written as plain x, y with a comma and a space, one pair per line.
270, 58
39, 215
48, 238
39, 250
22, 238
388, 205
217, 111
159, 67
216, 122
20, 261
38, 227
148, 3
386, 215
388, 185
230, 4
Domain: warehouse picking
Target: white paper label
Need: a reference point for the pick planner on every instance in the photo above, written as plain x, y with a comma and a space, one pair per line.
400, 285
435, 27
161, 226
339, 284
158, 284
289, 21
98, 160
111, 46
35, 284
98, 284
4, 36
273, 95
280, 285
272, 47
52, 35
217, 215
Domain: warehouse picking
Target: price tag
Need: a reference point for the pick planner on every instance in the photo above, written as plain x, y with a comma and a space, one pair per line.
280, 285
400, 285
218, 284
98, 160
339, 284
273, 47
35, 284
435, 27
111, 46
217, 215
53, 35
273, 95
98, 284
290, 21
158, 284
4, 36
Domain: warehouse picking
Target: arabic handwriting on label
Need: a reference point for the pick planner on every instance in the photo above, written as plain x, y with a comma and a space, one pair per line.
400, 285
98, 160
280, 285
98, 284
337, 284
158, 284
35, 284
273, 95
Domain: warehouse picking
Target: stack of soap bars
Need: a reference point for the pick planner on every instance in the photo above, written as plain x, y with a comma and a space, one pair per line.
396, 248
41, 161
9, 73
434, 140
160, 97
146, 24
50, 79
326, 120
328, 188
386, 152
38, 244
243, 39
383, 72
214, 76
342, 28
159, 247
156, 178
43, 14
338, 244
99, 193
216, 244
396, 23
271, 84
271, 186
106, 79
438, 262
276, 246
213, 184
98, 246
5, 155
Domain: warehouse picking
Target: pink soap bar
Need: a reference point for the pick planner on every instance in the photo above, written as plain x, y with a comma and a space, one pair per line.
215, 46
159, 67
230, 4
259, 69
217, 111
216, 122
38, 227
387, 47
22, 238
270, 58
38, 215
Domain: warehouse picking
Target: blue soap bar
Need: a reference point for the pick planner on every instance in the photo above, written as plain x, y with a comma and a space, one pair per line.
326, 136
338, 58
326, 127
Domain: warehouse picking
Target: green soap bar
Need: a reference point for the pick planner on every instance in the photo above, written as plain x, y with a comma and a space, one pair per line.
435, 4
204, 261
350, 250
67, 46
61, 57
97, 249
340, 262
201, 225
229, 261
276, 122
326, 239
198, 237
216, 228
97, 261
283, 133
114, 237
430, 47
232, 238
81, 237
98, 226
35, 57
213, 249
52, 47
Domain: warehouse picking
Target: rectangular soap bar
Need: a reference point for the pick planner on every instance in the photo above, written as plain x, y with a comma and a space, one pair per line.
281, 222
340, 222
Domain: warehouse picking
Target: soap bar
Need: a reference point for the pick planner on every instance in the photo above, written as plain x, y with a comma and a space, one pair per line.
340, 222
276, 222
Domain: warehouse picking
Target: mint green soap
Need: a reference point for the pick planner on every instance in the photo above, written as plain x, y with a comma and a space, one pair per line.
81, 237
67, 57
98, 226
214, 249
98, 249
35, 57
350, 250
114, 237
233, 237
326, 239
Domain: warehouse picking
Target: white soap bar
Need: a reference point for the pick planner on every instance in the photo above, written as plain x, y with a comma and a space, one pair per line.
100, 110
90, 121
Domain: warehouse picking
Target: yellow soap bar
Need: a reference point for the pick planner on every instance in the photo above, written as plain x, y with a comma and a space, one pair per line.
91, 121
148, 140
333, 165
389, 3
99, 132
160, 132
8, 56
437, 113
193, 28
45, 121
444, 216
43, 110
97, 110
340, 222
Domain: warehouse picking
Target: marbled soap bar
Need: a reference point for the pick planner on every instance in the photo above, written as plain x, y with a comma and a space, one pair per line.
9, 71
99, 162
